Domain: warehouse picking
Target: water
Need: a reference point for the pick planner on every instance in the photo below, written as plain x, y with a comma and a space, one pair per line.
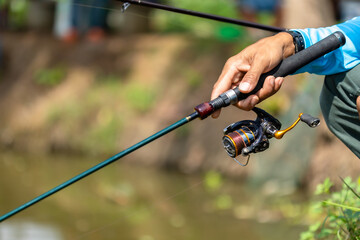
128, 202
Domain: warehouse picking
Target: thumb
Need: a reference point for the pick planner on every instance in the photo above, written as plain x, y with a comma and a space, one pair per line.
251, 78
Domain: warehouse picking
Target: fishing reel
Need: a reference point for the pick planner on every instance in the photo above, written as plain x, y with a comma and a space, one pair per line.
252, 136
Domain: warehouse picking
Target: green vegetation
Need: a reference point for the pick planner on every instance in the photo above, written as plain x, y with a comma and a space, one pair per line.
169, 22
140, 97
17, 12
50, 76
213, 181
277, 104
193, 78
95, 119
341, 210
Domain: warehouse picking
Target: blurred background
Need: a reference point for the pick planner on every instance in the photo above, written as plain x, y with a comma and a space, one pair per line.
80, 81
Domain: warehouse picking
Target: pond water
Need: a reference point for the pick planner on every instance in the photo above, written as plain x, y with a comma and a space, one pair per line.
127, 202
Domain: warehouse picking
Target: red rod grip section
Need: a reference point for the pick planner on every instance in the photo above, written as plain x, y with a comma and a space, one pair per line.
204, 110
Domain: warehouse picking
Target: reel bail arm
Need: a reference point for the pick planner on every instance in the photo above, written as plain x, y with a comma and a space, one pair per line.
246, 137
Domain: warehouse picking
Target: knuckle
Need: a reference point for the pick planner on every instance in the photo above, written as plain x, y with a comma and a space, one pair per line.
244, 107
230, 61
250, 77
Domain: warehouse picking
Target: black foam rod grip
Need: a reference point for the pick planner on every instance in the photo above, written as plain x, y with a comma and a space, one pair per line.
293, 63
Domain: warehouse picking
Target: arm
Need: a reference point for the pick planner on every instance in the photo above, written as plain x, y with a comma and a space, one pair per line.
340, 60
245, 68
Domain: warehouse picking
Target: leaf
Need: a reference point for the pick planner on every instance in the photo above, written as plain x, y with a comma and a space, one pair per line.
342, 206
324, 187
325, 232
314, 227
307, 236
338, 234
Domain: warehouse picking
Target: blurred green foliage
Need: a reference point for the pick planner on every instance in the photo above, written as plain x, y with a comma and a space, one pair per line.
96, 116
171, 22
104, 133
223, 202
50, 76
139, 96
276, 104
193, 77
341, 210
17, 12
213, 181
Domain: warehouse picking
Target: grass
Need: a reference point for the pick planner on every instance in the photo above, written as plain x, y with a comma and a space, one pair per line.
337, 214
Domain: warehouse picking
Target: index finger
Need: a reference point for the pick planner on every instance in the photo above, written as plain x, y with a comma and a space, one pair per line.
229, 76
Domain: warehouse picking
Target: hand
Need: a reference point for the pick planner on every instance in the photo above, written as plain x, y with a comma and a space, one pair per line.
244, 69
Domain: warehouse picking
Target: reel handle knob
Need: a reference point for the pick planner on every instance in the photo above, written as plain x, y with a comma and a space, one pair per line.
310, 120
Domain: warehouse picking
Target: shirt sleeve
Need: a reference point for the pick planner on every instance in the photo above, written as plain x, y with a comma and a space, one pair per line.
340, 60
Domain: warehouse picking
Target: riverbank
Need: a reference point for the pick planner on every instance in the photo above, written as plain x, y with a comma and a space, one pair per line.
97, 99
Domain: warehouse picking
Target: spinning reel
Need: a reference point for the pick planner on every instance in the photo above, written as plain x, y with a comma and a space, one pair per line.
246, 137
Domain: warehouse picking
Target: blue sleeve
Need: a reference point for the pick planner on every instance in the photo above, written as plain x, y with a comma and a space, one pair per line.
340, 60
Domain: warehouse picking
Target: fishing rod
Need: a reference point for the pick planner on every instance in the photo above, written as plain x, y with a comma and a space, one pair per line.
127, 3
243, 137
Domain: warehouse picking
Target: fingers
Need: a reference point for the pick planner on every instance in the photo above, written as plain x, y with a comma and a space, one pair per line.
231, 76
270, 87
248, 103
244, 70
233, 72
216, 114
251, 78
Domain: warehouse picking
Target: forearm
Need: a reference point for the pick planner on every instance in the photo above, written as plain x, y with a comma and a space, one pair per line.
340, 60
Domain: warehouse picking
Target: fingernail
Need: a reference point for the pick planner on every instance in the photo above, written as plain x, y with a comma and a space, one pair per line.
215, 114
281, 80
244, 86
254, 101
272, 81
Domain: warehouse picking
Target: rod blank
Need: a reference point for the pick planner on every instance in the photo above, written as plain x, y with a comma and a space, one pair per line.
205, 15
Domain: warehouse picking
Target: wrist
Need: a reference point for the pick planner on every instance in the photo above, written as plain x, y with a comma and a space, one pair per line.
298, 40
287, 42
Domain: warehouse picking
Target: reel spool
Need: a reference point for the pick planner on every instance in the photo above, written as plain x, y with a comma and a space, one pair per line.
252, 136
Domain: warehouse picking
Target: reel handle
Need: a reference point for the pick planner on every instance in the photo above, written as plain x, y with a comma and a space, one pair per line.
310, 120
288, 66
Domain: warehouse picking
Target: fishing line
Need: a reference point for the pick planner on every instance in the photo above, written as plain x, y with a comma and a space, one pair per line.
205, 15
131, 13
96, 7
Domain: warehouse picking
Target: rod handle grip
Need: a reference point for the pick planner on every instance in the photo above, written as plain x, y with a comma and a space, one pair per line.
293, 63
288, 66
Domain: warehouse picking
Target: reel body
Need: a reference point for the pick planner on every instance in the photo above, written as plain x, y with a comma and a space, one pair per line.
252, 136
